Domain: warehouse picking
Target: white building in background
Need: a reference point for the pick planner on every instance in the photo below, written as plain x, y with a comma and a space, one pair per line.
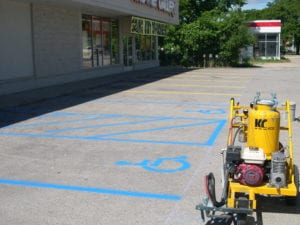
267, 33
44, 43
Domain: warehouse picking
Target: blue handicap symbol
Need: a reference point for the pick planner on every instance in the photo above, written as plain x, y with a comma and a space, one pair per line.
154, 167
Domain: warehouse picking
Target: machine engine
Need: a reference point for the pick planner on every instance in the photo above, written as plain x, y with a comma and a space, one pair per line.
250, 174
261, 160
250, 167
246, 166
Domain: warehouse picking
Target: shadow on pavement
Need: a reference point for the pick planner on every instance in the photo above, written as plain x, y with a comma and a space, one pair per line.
22, 106
275, 205
265, 205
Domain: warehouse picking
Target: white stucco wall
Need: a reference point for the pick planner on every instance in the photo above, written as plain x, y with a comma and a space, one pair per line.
41, 43
57, 40
16, 59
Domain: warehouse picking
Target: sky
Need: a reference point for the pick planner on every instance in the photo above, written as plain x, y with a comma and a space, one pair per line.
256, 4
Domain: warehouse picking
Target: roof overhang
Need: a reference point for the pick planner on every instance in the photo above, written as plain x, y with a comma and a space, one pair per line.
112, 9
265, 26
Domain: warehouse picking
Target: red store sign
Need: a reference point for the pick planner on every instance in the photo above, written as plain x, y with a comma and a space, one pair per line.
162, 5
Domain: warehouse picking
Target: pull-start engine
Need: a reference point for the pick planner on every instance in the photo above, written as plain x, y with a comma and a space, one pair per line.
250, 174
250, 167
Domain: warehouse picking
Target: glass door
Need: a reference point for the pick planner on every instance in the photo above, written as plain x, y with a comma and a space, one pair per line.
128, 51
87, 41
100, 41
97, 42
106, 43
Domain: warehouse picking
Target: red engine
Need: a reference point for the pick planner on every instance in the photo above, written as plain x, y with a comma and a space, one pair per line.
250, 174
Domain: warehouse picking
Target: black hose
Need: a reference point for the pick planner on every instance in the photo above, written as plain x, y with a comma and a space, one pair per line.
211, 190
236, 133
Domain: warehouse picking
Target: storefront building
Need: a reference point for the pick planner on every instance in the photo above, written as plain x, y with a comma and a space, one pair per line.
267, 33
44, 43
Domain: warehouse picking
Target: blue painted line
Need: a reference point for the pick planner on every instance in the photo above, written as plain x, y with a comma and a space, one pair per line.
89, 117
216, 132
159, 103
91, 190
62, 99
35, 112
208, 111
25, 110
51, 136
65, 114
63, 121
156, 129
107, 137
199, 144
62, 113
109, 125
18, 115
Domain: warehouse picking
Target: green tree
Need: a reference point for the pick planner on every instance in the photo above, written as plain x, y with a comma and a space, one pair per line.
227, 5
254, 14
190, 10
198, 38
219, 30
288, 11
235, 35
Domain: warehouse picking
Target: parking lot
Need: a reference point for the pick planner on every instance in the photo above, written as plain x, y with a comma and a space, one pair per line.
132, 151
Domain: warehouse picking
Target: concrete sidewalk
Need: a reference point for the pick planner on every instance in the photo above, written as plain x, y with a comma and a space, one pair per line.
26, 97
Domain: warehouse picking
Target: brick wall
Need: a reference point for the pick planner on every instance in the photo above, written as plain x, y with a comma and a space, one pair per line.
57, 40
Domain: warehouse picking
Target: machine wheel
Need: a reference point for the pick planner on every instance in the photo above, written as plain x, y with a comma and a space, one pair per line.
224, 219
244, 219
241, 219
291, 200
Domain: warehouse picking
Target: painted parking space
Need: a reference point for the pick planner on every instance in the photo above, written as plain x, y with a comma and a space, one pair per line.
122, 128
123, 148
182, 93
96, 190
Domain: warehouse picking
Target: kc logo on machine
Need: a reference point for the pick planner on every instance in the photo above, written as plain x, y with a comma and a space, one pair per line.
260, 123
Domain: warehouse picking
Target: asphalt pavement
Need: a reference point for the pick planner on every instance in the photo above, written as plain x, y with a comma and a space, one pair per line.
131, 150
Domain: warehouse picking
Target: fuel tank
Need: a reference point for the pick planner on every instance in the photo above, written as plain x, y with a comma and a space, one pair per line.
264, 126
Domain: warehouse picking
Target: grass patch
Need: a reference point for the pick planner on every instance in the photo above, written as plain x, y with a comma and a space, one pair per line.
263, 61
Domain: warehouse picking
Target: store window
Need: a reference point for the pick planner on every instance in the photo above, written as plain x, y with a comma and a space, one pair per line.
128, 50
115, 42
99, 41
267, 45
145, 47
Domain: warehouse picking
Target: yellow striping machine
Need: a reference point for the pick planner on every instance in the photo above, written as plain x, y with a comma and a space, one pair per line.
256, 161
